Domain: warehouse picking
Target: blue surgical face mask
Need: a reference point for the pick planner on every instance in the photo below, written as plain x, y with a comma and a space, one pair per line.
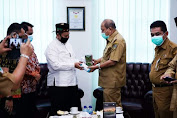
158, 40
104, 36
30, 37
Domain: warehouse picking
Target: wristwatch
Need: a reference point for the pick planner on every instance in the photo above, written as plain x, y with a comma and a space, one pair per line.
9, 98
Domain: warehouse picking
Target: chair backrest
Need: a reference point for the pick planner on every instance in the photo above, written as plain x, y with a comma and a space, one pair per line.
137, 80
41, 88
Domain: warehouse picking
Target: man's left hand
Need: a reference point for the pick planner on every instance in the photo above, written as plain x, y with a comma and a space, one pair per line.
36, 75
9, 105
167, 75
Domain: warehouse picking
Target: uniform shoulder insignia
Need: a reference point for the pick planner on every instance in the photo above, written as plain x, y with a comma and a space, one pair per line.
115, 46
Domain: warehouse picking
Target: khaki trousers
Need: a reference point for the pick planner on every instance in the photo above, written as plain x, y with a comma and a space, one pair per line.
112, 95
161, 101
174, 114
173, 105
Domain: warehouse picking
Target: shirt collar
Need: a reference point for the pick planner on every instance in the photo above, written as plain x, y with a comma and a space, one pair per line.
112, 36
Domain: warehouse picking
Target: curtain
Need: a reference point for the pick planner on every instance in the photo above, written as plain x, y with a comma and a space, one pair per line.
37, 12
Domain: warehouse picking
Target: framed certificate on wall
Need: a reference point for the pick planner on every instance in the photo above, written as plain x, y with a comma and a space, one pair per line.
76, 18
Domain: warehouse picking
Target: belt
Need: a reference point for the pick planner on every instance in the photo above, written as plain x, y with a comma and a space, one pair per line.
161, 85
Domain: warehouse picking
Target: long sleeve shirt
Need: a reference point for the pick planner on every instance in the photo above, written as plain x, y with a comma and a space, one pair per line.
61, 58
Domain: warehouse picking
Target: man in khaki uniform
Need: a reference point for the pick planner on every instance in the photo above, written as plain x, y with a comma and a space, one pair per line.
164, 52
112, 73
171, 72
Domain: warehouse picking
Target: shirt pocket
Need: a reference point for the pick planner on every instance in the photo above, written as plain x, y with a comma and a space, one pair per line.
107, 53
163, 64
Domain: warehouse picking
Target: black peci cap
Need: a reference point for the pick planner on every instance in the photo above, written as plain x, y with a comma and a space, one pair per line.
62, 27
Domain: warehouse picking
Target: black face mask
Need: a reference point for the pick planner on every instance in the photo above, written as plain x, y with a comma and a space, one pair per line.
64, 40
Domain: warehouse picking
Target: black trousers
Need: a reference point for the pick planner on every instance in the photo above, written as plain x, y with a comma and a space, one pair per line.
62, 98
28, 106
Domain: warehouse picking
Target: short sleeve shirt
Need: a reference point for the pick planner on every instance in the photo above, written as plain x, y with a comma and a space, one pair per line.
115, 50
6, 84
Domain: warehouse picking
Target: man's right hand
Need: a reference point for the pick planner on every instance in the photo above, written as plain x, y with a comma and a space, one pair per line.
26, 48
3, 46
77, 65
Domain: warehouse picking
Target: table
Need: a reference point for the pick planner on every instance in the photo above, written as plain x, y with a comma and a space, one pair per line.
91, 116
119, 116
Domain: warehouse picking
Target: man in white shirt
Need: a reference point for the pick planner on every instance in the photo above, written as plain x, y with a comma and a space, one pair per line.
62, 80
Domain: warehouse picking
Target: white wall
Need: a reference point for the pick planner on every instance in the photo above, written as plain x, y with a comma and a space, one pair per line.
80, 40
173, 14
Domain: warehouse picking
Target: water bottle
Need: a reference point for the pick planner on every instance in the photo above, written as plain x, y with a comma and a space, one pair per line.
90, 110
85, 109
